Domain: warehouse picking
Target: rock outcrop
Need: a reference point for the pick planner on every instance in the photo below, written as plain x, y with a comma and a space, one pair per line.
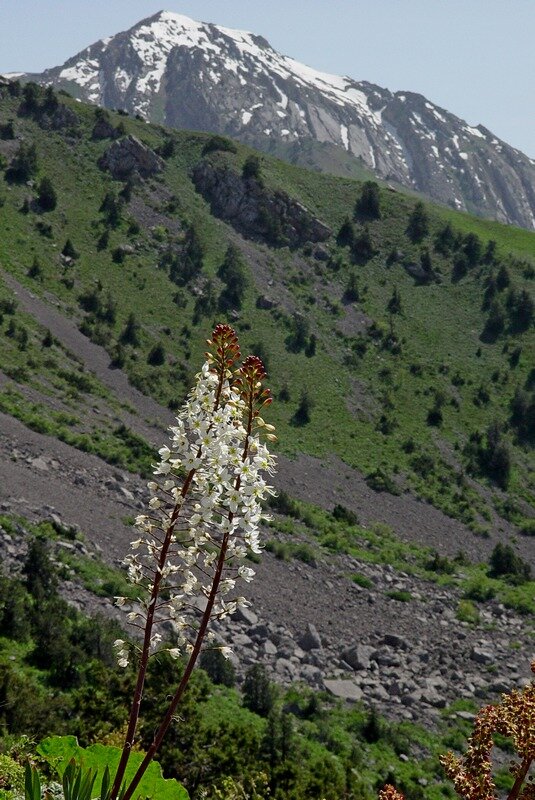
128, 157
254, 210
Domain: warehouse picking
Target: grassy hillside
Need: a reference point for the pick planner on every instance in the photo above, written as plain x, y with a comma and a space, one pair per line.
381, 353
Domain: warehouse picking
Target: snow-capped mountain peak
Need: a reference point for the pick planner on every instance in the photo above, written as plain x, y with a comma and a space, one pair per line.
174, 70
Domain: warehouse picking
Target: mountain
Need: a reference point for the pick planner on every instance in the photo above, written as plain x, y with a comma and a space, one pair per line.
398, 337
170, 69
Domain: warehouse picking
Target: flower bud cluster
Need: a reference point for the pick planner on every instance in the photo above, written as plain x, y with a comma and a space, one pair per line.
205, 505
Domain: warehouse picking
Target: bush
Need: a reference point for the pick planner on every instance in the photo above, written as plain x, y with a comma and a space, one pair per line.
233, 273
251, 169
381, 481
23, 166
156, 356
188, 263
505, 563
369, 202
219, 143
394, 304
400, 595
220, 669
343, 514
467, 612
418, 225
69, 250
362, 248
46, 195
7, 131
302, 413
362, 581
495, 324
346, 234
130, 332
111, 208
35, 271
480, 589
258, 691
440, 564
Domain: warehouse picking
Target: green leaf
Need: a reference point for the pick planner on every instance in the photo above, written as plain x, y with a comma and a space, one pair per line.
59, 750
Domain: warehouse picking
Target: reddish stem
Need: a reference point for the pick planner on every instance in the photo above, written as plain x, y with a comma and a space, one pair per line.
145, 653
520, 778
167, 719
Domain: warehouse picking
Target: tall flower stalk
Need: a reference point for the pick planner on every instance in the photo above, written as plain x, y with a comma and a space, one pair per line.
204, 513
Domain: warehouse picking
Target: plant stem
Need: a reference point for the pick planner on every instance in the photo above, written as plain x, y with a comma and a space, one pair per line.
167, 719
145, 653
520, 778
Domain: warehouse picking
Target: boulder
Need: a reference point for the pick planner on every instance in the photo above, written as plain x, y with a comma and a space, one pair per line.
481, 656
344, 690
245, 615
358, 657
310, 640
394, 640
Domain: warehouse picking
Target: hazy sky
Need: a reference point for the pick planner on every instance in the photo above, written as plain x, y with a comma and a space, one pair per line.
476, 58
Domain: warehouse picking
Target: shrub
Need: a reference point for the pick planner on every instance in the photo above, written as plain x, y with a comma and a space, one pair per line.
258, 691
302, 413
156, 356
7, 131
23, 166
35, 271
369, 202
362, 248
401, 595
130, 332
219, 143
346, 234
46, 195
479, 589
418, 225
467, 612
69, 250
381, 481
362, 580
111, 208
251, 168
440, 564
343, 514
505, 563
232, 273
220, 669
394, 304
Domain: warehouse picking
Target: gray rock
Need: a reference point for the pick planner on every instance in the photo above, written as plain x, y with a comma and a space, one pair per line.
481, 656
250, 207
269, 648
265, 303
39, 463
344, 690
128, 156
310, 640
321, 253
245, 615
393, 640
358, 657
103, 129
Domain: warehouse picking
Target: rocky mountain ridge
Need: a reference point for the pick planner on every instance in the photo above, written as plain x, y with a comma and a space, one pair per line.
186, 74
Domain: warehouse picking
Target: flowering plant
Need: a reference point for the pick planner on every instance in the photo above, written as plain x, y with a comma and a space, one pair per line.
203, 517
471, 774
